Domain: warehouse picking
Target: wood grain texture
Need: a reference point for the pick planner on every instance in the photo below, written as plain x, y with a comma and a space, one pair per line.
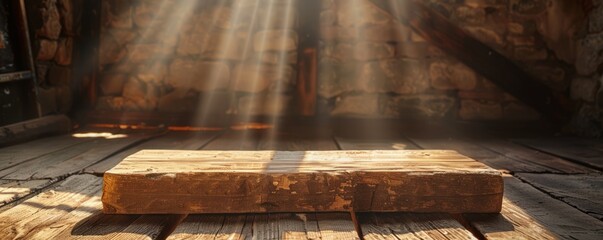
171, 140
279, 181
31, 129
581, 191
403, 226
530, 214
503, 156
375, 144
584, 151
73, 209
70, 160
529, 160
18, 154
44, 215
13, 190
412, 226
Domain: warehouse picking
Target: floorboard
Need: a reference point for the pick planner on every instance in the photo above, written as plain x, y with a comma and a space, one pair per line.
530, 160
171, 140
18, 154
530, 214
411, 226
496, 156
581, 191
585, 151
70, 160
375, 144
11, 190
73, 210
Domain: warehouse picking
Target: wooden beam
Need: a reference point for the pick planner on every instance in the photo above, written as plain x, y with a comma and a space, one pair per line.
453, 40
168, 181
39, 127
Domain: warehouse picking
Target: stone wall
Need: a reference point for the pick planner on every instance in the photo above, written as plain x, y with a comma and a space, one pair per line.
372, 65
587, 86
239, 56
53, 26
185, 55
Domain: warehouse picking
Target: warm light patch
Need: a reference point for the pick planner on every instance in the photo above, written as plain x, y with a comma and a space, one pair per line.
105, 135
194, 129
251, 126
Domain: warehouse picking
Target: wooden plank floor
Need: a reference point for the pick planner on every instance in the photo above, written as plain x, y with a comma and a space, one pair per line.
50, 188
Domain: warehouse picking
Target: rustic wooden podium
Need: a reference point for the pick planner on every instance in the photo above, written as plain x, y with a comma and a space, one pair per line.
175, 182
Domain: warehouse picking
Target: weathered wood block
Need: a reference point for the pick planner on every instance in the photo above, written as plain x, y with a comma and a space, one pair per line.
168, 181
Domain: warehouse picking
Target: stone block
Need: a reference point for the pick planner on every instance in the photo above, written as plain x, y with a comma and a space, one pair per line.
113, 83
335, 78
199, 75
276, 14
338, 33
584, 89
153, 72
365, 105
117, 14
590, 54
527, 7
264, 105
419, 106
401, 76
144, 52
110, 50
413, 50
449, 75
51, 20
391, 32
275, 40
67, 13
359, 13
365, 51
224, 45
480, 110
275, 57
179, 100
47, 50
64, 51
255, 78
109, 103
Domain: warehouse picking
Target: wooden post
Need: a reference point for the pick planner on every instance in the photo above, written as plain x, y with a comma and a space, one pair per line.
308, 32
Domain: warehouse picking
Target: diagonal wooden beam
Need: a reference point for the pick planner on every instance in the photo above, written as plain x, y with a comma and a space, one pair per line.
453, 40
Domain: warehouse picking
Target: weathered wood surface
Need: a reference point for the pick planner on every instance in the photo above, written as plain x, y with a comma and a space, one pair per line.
278, 181
403, 226
412, 226
70, 160
503, 156
171, 140
530, 214
17, 154
374, 144
13, 190
581, 191
584, 151
44, 126
73, 209
530, 160
235, 140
